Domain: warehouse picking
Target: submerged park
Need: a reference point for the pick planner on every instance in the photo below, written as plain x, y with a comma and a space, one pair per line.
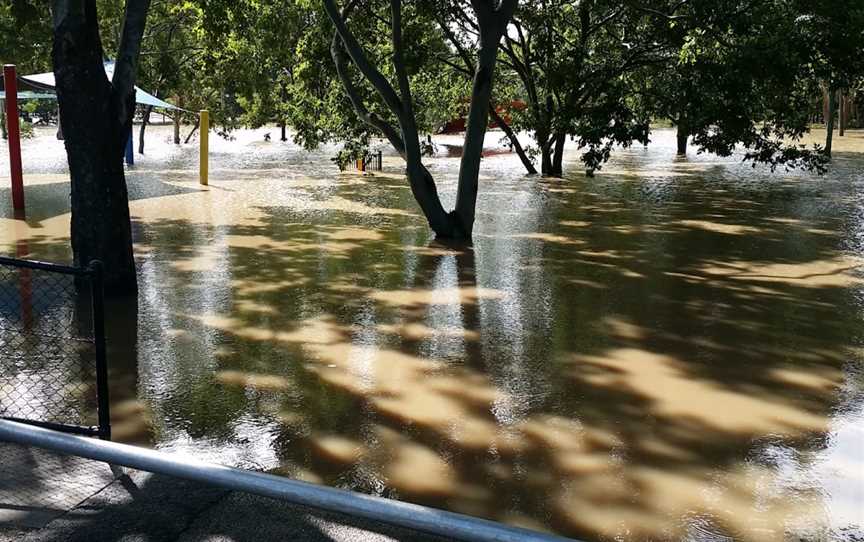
586, 268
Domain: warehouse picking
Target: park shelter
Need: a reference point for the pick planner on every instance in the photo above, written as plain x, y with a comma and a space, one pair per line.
42, 86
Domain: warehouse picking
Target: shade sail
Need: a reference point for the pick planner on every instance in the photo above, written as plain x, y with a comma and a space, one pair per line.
45, 82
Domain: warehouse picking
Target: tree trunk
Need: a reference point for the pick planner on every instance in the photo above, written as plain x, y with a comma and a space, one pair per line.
682, 137
825, 104
514, 140
558, 156
96, 116
491, 22
405, 140
546, 159
284, 135
422, 184
145, 119
475, 134
843, 111
176, 127
190, 134
829, 125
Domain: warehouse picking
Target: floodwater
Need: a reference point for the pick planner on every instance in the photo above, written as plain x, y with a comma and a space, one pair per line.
671, 350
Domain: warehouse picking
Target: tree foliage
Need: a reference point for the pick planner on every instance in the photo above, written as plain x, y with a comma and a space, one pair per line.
25, 27
737, 80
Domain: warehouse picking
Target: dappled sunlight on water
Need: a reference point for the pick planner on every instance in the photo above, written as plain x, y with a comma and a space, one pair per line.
671, 350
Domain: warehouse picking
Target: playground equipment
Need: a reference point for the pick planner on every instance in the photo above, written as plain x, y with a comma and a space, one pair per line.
130, 151
44, 86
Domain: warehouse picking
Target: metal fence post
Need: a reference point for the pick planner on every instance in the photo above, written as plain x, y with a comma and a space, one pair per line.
98, 300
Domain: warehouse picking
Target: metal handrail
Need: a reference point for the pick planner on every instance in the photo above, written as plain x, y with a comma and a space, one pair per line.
44, 266
348, 503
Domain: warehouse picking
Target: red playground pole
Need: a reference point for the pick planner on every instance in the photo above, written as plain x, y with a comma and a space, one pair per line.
10, 82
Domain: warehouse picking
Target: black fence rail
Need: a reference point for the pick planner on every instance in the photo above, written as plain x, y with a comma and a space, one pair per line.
371, 162
53, 367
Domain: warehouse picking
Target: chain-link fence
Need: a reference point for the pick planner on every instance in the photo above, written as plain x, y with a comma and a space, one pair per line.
52, 347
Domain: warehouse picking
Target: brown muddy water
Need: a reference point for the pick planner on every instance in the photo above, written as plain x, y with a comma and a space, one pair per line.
669, 351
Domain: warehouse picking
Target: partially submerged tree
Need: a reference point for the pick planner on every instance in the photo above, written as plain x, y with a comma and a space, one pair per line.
96, 116
736, 80
491, 19
725, 72
574, 60
833, 32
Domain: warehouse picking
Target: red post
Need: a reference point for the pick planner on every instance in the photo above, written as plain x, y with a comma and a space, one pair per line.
10, 82
25, 276
25, 285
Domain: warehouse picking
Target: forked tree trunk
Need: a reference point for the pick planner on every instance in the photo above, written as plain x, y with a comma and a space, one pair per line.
492, 18
404, 139
95, 117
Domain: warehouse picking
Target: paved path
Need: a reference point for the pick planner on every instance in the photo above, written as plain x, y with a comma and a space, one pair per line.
50, 498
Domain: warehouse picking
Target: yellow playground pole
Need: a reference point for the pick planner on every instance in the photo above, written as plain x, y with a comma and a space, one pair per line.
204, 131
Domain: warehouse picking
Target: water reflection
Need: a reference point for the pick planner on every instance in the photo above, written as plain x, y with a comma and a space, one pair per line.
671, 350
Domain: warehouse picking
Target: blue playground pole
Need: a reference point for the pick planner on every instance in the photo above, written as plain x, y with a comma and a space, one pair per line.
130, 155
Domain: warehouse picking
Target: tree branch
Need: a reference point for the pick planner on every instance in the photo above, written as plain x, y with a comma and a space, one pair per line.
360, 108
355, 51
399, 56
126, 66
460, 49
511, 135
